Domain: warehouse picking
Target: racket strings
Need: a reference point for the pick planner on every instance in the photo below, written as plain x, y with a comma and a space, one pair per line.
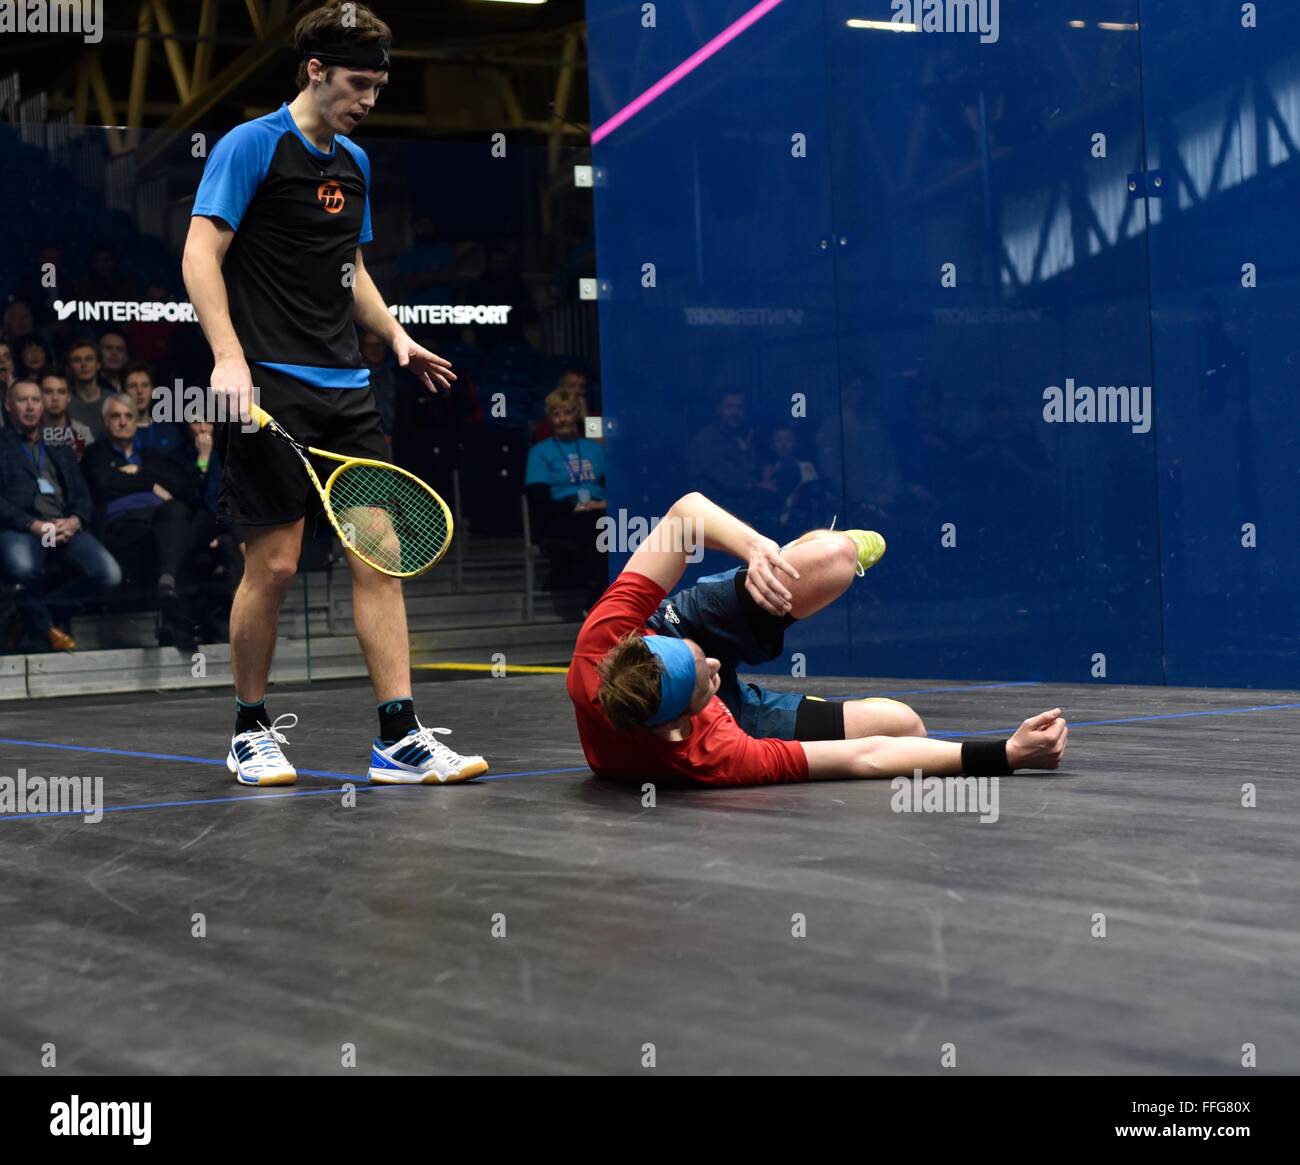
388, 518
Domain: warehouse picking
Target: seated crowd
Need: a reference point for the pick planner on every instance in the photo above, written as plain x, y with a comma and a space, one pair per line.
104, 508
136, 516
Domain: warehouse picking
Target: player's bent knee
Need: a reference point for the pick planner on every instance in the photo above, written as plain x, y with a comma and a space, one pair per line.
825, 549
879, 716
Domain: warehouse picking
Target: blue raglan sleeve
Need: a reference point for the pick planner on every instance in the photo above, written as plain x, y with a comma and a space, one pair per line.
363, 161
235, 169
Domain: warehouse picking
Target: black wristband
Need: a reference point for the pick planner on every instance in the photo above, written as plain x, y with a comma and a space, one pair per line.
985, 758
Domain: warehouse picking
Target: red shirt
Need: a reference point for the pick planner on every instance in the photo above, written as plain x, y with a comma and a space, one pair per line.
717, 752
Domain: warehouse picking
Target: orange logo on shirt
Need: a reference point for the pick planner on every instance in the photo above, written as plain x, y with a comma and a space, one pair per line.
330, 196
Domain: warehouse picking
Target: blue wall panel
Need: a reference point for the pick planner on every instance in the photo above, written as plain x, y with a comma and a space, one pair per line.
922, 405
703, 185
1223, 123
948, 150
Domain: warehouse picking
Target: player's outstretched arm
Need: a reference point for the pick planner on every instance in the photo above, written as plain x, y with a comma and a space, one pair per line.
693, 522
1039, 743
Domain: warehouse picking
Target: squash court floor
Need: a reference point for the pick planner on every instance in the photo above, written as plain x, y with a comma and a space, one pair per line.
540, 921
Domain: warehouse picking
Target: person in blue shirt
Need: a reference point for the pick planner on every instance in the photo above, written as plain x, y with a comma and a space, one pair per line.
565, 483
156, 436
275, 270
45, 512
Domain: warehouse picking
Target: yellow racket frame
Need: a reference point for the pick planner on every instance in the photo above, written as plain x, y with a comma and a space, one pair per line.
264, 420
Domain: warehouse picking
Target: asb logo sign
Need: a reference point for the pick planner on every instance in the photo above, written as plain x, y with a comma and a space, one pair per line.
330, 196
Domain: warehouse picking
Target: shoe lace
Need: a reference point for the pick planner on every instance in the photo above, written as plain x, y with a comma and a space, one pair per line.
425, 736
267, 742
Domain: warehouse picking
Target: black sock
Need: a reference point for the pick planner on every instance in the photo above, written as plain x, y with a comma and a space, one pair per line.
396, 719
250, 717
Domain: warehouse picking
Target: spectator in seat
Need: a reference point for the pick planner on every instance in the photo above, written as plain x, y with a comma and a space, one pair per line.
113, 360
58, 428
7, 371
723, 461
45, 511
565, 483
215, 564
794, 478
18, 324
571, 380
156, 436
145, 502
150, 341
88, 388
36, 358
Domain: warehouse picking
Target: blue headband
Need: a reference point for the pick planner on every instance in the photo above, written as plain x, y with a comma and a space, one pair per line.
676, 679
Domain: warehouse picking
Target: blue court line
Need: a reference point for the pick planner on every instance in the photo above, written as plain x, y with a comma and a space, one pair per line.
1133, 719
364, 785
927, 691
207, 760
364, 788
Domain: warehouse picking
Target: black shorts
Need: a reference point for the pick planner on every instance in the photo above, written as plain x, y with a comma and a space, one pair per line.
263, 483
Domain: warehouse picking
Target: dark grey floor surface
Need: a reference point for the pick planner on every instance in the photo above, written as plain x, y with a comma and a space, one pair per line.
670, 926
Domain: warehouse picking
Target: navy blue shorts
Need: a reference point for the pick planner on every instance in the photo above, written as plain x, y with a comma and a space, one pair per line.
723, 618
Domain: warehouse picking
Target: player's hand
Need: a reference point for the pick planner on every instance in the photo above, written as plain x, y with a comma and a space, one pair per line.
428, 366
128, 469
232, 379
763, 581
162, 492
1039, 743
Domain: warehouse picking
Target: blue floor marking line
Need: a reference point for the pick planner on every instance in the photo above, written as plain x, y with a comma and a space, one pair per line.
365, 785
205, 801
927, 691
1134, 719
206, 760
362, 786
530, 773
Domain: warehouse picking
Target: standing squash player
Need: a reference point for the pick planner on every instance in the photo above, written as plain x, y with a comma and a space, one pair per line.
274, 268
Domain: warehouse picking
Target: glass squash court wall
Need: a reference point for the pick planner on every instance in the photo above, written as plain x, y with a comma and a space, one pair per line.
1023, 294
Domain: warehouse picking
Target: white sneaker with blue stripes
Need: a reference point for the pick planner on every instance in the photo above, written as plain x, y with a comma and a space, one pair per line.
420, 758
256, 757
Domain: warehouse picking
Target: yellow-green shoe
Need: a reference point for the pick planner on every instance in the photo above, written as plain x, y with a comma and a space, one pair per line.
871, 548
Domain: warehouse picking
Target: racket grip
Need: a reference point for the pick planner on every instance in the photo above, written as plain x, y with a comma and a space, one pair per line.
259, 415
